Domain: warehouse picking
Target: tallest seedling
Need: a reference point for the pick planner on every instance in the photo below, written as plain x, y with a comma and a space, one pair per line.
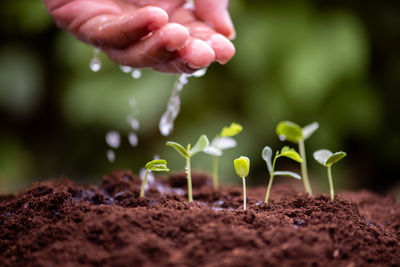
287, 130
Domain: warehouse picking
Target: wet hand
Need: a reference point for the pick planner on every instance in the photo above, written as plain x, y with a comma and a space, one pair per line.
161, 34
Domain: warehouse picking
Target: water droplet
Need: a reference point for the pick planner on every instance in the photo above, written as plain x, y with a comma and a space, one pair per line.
156, 157
166, 124
189, 5
199, 73
113, 139
133, 122
282, 137
125, 69
133, 139
95, 63
150, 178
132, 102
110, 155
136, 73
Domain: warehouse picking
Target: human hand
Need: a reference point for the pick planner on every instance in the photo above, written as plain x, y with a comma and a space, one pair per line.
158, 34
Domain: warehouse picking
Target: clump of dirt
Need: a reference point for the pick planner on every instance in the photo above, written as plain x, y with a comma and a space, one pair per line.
60, 223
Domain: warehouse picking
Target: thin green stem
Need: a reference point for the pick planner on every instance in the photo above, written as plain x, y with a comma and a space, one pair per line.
330, 182
244, 193
215, 173
143, 183
271, 179
304, 173
189, 180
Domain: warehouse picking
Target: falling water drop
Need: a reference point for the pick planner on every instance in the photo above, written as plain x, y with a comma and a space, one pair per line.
95, 63
111, 155
136, 73
125, 69
133, 139
166, 124
133, 122
189, 5
113, 139
150, 177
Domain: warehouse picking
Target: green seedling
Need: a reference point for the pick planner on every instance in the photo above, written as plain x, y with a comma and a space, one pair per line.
292, 132
158, 165
242, 166
221, 142
285, 152
327, 159
188, 153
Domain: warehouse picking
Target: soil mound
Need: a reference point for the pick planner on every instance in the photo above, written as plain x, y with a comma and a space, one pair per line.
60, 223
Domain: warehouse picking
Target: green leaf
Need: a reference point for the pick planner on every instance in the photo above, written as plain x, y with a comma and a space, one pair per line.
267, 156
335, 158
232, 130
287, 173
290, 153
201, 144
327, 158
242, 166
309, 130
322, 155
287, 130
180, 149
157, 165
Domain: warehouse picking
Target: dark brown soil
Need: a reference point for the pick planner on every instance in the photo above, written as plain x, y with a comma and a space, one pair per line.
64, 224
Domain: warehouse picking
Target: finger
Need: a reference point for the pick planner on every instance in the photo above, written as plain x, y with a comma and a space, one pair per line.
223, 48
158, 48
120, 30
216, 13
195, 55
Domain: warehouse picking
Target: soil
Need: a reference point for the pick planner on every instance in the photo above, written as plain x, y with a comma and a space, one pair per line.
60, 223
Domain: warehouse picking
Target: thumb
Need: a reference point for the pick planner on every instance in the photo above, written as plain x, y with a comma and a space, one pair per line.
215, 12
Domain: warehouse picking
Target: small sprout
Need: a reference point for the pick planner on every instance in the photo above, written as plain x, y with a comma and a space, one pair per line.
327, 158
221, 142
232, 130
290, 131
285, 152
158, 165
187, 153
242, 166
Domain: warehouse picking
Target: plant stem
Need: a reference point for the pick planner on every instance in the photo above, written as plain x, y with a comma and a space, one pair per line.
304, 173
189, 180
269, 188
244, 193
331, 183
143, 183
215, 173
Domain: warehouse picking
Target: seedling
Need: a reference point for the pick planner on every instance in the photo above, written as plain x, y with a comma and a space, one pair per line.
285, 152
188, 153
158, 165
221, 142
292, 132
327, 158
242, 166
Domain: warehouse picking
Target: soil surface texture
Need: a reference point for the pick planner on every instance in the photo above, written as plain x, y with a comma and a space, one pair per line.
60, 223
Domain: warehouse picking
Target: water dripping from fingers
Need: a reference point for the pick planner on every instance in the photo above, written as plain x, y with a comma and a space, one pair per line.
95, 63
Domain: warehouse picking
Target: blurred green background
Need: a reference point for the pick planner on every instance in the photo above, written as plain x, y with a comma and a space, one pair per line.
335, 62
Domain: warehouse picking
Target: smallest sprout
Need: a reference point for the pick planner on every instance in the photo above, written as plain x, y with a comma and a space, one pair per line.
158, 165
327, 158
242, 166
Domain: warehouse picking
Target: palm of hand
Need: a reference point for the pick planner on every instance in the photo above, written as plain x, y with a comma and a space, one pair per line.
161, 34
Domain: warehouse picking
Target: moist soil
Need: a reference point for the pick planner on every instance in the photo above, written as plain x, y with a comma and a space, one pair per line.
60, 223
